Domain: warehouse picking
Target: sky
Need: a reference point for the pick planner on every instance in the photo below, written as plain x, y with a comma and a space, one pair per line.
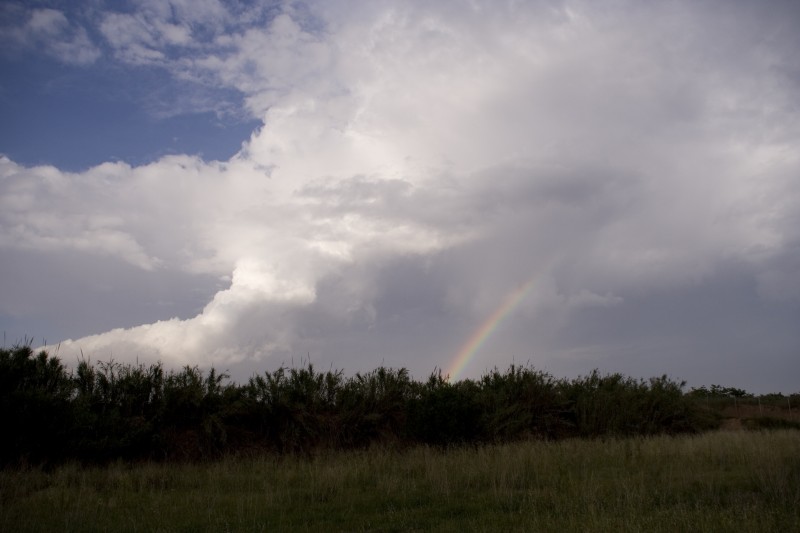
455, 185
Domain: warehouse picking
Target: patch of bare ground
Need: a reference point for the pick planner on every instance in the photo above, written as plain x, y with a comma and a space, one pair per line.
731, 424
736, 417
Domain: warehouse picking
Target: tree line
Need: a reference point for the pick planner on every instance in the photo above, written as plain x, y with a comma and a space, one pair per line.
110, 411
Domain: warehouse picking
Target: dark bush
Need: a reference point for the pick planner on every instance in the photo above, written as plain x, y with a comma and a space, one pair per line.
293, 409
616, 405
373, 408
444, 413
767, 422
523, 403
35, 394
110, 411
117, 410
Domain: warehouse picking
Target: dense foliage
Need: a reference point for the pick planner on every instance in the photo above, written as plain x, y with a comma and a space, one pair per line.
109, 411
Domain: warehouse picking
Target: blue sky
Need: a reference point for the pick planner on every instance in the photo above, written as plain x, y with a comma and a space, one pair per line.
75, 116
240, 184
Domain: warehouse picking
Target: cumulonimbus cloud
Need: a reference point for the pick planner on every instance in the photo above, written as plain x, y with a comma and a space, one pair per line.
602, 150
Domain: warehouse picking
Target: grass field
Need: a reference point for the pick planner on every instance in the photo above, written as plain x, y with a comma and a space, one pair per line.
720, 481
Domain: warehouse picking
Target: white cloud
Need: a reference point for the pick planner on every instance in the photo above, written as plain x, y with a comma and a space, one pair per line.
44, 209
605, 152
51, 31
133, 38
47, 21
255, 294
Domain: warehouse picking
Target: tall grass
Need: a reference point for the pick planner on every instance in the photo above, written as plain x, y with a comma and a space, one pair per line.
719, 481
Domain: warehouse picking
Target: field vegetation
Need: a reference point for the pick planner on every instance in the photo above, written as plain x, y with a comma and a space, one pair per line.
716, 481
111, 411
132, 447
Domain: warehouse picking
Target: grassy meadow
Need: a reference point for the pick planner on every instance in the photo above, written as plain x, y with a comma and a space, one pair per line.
714, 481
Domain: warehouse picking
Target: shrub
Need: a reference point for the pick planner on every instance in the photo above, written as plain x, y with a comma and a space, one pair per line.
35, 393
112, 411
443, 413
523, 403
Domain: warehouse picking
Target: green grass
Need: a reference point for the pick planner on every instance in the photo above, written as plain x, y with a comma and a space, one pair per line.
721, 481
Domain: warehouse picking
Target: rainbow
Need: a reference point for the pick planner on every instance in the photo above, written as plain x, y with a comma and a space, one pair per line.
479, 337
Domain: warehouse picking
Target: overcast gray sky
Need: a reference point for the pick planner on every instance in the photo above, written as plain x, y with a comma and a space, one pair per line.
245, 184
